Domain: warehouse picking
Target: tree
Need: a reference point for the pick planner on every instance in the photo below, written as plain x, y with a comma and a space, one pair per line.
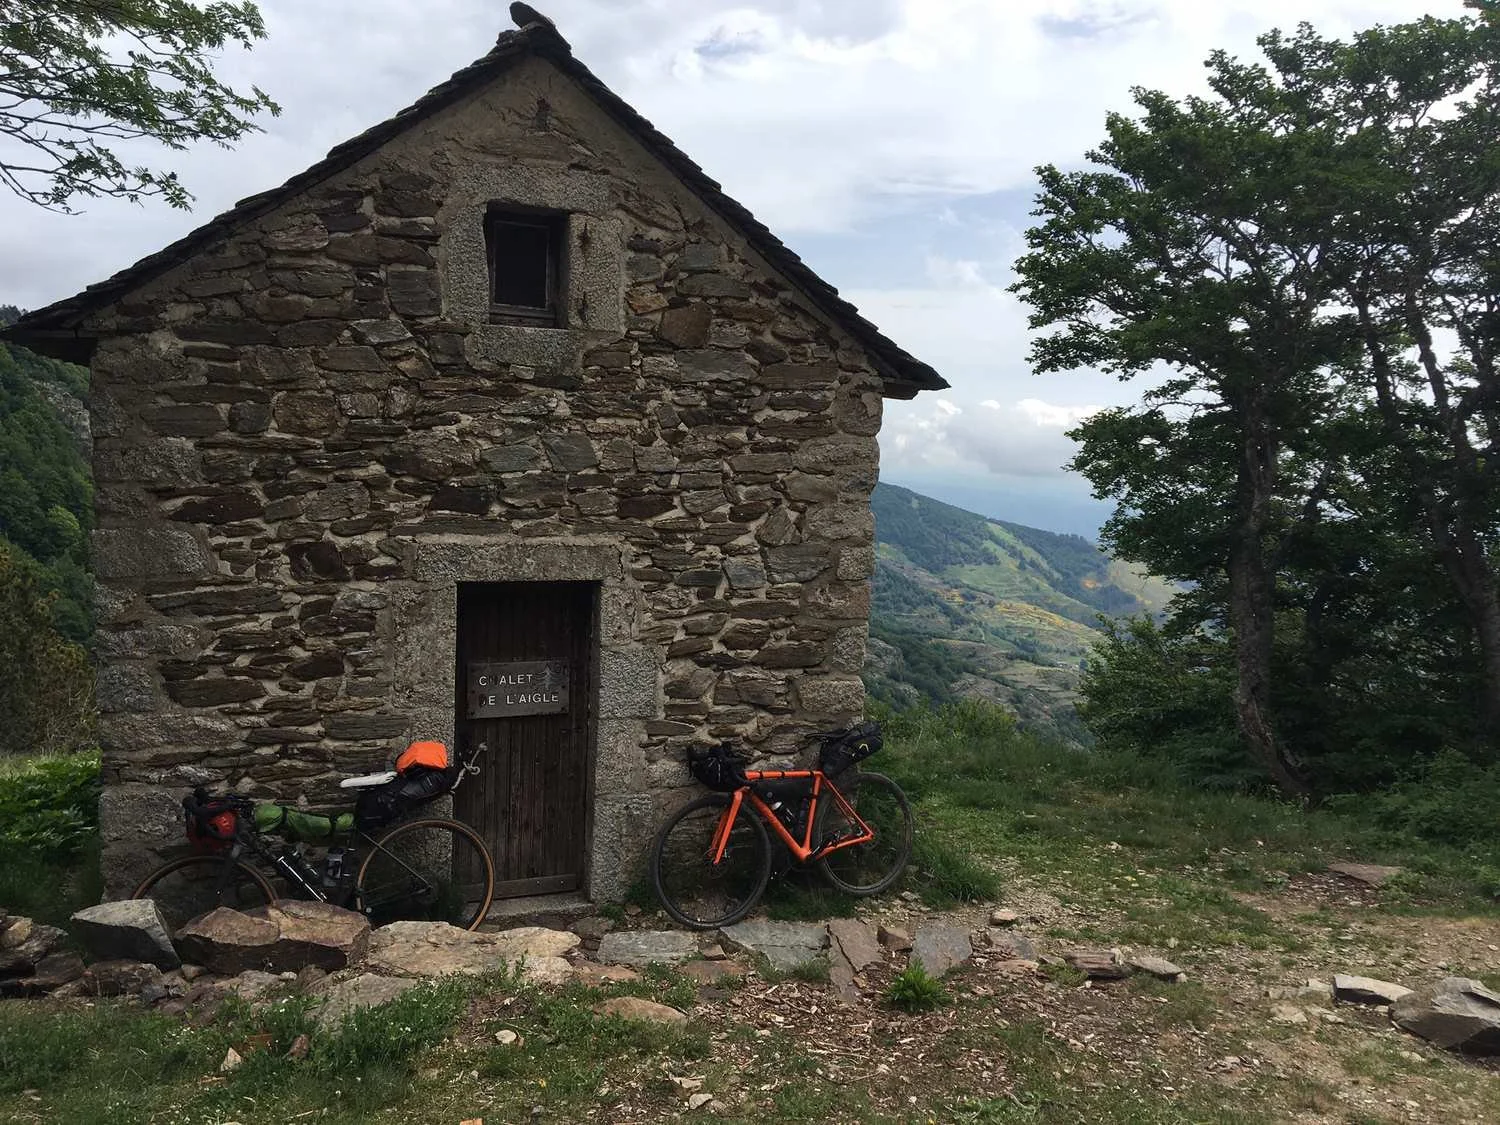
1310, 255
77, 76
46, 682
1195, 245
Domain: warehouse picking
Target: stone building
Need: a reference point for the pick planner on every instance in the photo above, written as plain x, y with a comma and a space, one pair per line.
500, 423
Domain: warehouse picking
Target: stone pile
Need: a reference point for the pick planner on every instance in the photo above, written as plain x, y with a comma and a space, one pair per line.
32, 960
1455, 1013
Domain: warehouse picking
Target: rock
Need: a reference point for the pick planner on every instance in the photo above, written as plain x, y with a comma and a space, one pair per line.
1370, 874
1316, 989
52, 972
713, 951
1099, 964
1004, 917
1013, 945
119, 978
895, 939
642, 947
710, 972
588, 973
250, 984
228, 942
698, 1101
434, 949
192, 972
592, 928
299, 1048
1156, 967
941, 948
1366, 990
232, 1061
315, 933
24, 943
784, 944
634, 1008
368, 990
1457, 1014
127, 930
857, 941
1288, 1013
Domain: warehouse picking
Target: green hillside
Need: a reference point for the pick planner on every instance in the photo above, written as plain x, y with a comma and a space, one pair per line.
970, 606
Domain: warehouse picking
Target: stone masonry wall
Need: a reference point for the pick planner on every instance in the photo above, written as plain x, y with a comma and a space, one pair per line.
306, 436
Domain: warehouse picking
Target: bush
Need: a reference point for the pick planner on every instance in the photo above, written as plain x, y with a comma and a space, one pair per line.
46, 681
1450, 801
49, 807
914, 990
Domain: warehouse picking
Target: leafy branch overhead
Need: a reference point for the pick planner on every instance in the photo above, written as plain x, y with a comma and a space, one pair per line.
81, 81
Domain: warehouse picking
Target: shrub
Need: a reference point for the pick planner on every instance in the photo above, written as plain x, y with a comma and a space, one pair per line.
49, 807
914, 990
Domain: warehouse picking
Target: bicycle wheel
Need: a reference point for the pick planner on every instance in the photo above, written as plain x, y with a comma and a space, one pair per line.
188, 888
866, 869
695, 891
430, 870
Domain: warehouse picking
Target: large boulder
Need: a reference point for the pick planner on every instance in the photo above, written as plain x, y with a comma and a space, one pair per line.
315, 933
131, 929
1457, 1014
228, 942
435, 949
49, 974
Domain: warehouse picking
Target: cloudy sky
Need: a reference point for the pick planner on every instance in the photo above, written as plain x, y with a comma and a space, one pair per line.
890, 142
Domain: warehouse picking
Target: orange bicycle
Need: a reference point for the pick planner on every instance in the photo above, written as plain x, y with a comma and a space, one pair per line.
710, 865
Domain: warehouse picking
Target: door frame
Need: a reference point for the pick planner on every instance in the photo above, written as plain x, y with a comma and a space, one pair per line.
421, 632
583, 693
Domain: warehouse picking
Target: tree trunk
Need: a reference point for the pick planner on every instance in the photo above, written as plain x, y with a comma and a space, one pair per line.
1252, 605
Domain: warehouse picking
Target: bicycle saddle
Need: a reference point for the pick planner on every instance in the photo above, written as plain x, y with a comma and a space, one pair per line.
368, 781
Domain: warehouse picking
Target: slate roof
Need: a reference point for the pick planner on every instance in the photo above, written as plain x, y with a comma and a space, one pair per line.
54, 330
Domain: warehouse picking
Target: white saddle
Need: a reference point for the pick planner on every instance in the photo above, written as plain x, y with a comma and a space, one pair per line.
368, 781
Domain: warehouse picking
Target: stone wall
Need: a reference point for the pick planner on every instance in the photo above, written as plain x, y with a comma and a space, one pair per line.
306, 436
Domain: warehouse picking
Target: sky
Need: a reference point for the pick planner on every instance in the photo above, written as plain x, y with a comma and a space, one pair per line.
891, 143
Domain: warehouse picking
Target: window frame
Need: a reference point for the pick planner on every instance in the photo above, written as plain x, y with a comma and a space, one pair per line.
556, 224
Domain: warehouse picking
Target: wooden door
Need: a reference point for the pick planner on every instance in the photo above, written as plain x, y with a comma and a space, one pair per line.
526, 688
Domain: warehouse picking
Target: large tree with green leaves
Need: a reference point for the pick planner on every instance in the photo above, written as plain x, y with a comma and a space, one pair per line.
1307, 262
77, 77
1196, 249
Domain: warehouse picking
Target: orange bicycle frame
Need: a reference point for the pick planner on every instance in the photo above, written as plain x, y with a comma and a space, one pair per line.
802, 849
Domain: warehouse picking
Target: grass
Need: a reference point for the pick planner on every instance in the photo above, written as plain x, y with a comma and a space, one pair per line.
1125, 834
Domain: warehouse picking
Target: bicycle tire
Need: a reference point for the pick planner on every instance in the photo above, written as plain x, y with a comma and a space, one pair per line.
693, 891
170, 897
875, 866
382, 864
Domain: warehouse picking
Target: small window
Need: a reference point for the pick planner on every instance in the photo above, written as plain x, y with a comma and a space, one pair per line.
525, 264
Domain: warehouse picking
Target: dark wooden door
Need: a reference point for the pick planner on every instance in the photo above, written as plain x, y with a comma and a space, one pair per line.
531, 800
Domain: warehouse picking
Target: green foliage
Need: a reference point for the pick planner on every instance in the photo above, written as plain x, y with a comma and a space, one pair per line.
1288, 249
914, 990
46, 681
49, 807
1449, 800
78, 76
1147, 691
391, 1035
46, 495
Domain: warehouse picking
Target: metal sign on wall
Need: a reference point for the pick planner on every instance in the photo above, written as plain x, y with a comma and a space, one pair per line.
531, 687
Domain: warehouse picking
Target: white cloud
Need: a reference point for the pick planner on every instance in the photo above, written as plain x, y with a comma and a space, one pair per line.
939, 435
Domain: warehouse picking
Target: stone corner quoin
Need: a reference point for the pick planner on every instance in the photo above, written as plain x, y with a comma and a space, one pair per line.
308, 434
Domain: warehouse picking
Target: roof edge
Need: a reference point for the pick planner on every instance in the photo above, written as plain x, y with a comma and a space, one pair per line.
54, 329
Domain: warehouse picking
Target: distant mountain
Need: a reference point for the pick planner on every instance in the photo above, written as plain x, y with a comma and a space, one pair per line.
970, 606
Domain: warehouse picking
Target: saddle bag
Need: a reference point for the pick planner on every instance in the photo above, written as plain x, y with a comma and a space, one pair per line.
842, 748
412, 787
211, 822
719, 767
